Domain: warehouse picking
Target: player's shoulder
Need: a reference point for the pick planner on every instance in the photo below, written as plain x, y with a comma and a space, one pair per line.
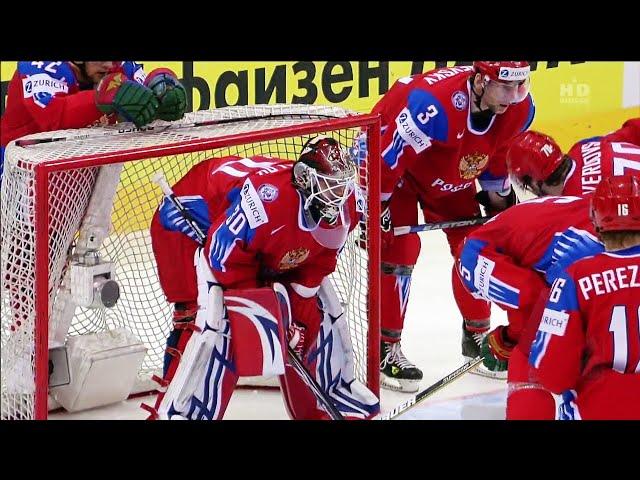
575, 249
271, 192
586, 264
48, 70
450, 86
542, 214
535, 208
437, 109
445, 78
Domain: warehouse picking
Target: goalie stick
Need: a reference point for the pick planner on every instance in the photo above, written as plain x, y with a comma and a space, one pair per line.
308, 379
467, 222
427, 392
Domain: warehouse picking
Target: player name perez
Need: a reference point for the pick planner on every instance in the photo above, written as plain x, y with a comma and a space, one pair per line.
609, 281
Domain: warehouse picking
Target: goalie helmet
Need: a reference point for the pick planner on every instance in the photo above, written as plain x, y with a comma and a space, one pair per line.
532, 157
326, 175
615, 205
506, 82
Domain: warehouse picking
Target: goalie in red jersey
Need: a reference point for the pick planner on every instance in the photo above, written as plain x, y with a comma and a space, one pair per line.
268, 221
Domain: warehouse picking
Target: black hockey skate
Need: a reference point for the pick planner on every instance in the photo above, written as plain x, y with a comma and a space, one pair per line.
396, 372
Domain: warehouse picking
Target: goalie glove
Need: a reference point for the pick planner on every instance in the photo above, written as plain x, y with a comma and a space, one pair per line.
496, 349
132, 101
170, 93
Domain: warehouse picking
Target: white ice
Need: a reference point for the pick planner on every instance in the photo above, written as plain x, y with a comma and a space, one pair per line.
431, 339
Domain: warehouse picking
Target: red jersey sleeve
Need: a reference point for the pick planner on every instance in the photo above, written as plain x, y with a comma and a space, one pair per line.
412, 118
235, 239
557, 349
628, 133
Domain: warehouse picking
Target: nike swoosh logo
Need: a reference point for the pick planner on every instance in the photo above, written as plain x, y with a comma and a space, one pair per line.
460, 135
273, 232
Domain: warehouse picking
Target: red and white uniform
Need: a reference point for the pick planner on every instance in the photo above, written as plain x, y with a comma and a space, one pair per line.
506, 261
432, 155
588, 339
257, 233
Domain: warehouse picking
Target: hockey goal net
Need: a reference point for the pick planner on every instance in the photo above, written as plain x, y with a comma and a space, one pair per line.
48, 183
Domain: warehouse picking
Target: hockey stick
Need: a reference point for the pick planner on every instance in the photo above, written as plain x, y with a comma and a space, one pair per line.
159, 128
427, 392
397, 231
311, 382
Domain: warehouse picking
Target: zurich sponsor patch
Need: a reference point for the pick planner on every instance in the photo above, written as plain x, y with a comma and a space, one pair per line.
267, 192
482, 274
553, 322
252, 205
43, 83
459, 100
514, 73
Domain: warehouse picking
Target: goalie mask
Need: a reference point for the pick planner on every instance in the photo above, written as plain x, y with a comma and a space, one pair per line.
326, 176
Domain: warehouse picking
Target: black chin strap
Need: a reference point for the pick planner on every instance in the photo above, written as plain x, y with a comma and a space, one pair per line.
480, 120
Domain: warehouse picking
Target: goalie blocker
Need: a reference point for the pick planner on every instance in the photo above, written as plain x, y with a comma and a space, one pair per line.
243, 333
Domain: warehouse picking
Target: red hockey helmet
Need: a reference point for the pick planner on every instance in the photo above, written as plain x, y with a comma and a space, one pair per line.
505, 82
615, 205
326, 174
532, 157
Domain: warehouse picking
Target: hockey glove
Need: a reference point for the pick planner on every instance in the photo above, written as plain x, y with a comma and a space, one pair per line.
386, 226
134, 102
498, 203
169, 92
496, 349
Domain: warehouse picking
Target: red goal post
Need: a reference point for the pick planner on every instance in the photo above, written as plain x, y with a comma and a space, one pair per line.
47, 186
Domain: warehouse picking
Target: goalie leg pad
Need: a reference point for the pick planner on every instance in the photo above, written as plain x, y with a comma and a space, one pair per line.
330, 361
258, 336
205, 377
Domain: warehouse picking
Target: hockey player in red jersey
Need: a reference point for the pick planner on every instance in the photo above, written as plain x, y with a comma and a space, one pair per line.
441, 131
536, 162
46, 96
268, 220
504, 260
509, 261
588, 340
